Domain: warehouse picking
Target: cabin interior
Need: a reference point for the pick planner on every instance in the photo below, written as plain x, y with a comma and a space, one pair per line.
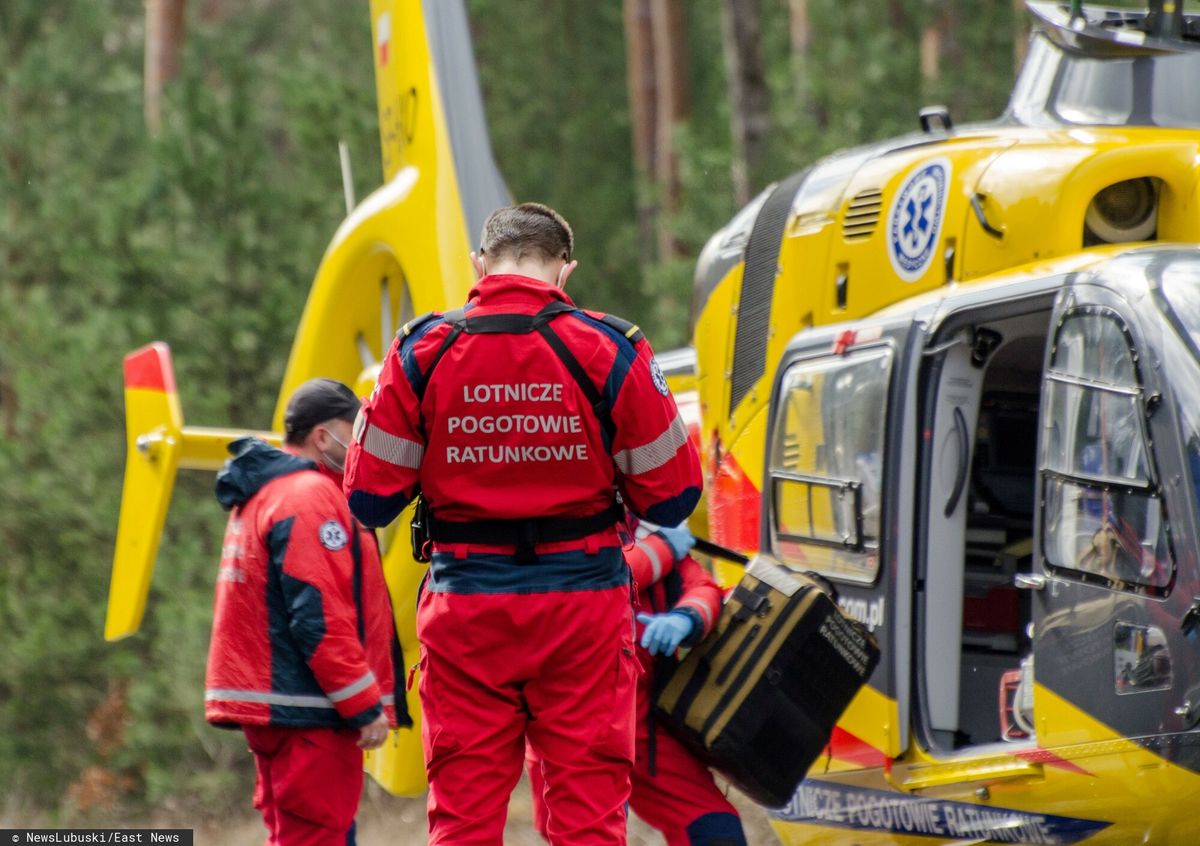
982, 398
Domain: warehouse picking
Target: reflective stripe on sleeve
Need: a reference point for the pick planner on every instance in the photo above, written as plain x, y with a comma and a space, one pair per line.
349, 690
655, 562
700, 608
392, 448
267, 698
655, 454
297, 701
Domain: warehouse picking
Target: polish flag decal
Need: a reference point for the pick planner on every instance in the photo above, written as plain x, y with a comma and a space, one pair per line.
383, 37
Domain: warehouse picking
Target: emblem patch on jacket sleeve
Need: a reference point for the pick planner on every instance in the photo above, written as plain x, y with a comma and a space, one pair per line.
660, 381
332, 535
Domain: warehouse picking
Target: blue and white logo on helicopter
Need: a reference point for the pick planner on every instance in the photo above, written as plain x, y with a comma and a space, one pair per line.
915, 219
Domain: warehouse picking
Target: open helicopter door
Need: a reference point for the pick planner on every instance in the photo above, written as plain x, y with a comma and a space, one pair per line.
1114, 584
842, 400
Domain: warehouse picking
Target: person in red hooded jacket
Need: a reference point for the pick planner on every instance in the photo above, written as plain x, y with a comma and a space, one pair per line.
672, 791
304, 654
519, 417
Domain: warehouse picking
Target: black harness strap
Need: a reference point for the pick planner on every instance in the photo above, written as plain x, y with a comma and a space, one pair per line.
631, 332
455, 319
357, 583
525, 534
599, 406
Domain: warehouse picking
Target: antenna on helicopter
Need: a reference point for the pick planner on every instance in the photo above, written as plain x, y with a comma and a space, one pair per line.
347, 176
1165, 19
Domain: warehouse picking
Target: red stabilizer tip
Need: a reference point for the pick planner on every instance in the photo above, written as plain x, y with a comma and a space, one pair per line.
150, 367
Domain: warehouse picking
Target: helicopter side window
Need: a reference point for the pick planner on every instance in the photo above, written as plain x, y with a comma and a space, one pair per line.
826, 462
1139, 91
1104, 521
1096, 92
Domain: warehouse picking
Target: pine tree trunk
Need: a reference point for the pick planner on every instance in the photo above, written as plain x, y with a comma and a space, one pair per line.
931, 55
670, 75
643, 103
165, 29
658, 102
749, 100
800, 40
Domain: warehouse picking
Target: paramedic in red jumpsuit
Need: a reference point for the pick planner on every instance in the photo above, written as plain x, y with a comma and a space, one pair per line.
304, 652
517, 418
673, 792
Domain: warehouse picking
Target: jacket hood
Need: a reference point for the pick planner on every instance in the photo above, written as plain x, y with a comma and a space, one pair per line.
254, 464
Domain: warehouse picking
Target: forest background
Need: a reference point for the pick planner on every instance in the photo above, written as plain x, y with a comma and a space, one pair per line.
195, 210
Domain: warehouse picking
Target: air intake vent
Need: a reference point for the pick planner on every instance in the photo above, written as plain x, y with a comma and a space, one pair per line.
791, 451
862, 215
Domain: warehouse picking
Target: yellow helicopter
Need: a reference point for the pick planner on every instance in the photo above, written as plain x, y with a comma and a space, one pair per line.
947, 373
1098, 146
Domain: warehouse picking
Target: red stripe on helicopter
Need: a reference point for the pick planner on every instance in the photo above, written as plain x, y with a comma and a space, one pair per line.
150, 367
1045, 756
846, 747
733, 502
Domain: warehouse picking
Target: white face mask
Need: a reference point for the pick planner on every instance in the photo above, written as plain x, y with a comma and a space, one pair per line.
331, 462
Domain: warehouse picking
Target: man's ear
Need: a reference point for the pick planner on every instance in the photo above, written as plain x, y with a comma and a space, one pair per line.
565, 272
477, 263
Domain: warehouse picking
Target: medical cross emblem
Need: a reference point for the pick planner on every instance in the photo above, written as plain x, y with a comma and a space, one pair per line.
915, 231
915, 219
332, 535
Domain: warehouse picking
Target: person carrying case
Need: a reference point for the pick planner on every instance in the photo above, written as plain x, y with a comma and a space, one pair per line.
758, 698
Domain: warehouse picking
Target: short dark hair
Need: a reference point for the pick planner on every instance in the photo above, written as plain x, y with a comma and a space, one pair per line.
527, 230
314, 402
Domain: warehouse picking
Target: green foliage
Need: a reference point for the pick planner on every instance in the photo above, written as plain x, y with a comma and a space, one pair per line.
207, 237
553, 78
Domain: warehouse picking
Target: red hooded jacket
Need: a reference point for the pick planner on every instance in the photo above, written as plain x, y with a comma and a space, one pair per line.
303, 633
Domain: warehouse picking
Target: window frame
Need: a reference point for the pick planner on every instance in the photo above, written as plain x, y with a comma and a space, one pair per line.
857, 543
1104, 484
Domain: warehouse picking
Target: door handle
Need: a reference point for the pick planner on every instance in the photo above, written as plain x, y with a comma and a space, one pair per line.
1029, 581
964, 457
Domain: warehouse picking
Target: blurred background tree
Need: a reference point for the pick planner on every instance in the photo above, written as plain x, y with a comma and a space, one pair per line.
181, 182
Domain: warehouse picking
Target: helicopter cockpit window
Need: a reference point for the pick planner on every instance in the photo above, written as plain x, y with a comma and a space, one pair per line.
1096, 91
1180, 301
1103, 518
1065, 87
826, 463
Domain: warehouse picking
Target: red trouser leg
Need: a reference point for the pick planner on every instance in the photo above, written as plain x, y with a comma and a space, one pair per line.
556, 667
681, 791
537, 792
309, 783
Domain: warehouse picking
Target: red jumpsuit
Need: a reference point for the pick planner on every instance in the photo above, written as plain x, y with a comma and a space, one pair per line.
672, 791
304, 648
517, 645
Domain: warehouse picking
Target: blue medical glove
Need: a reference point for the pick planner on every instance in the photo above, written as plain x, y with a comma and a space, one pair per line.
679, 539
664, 632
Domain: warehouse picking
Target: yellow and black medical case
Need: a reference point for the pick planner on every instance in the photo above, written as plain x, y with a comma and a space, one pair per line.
758, 698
